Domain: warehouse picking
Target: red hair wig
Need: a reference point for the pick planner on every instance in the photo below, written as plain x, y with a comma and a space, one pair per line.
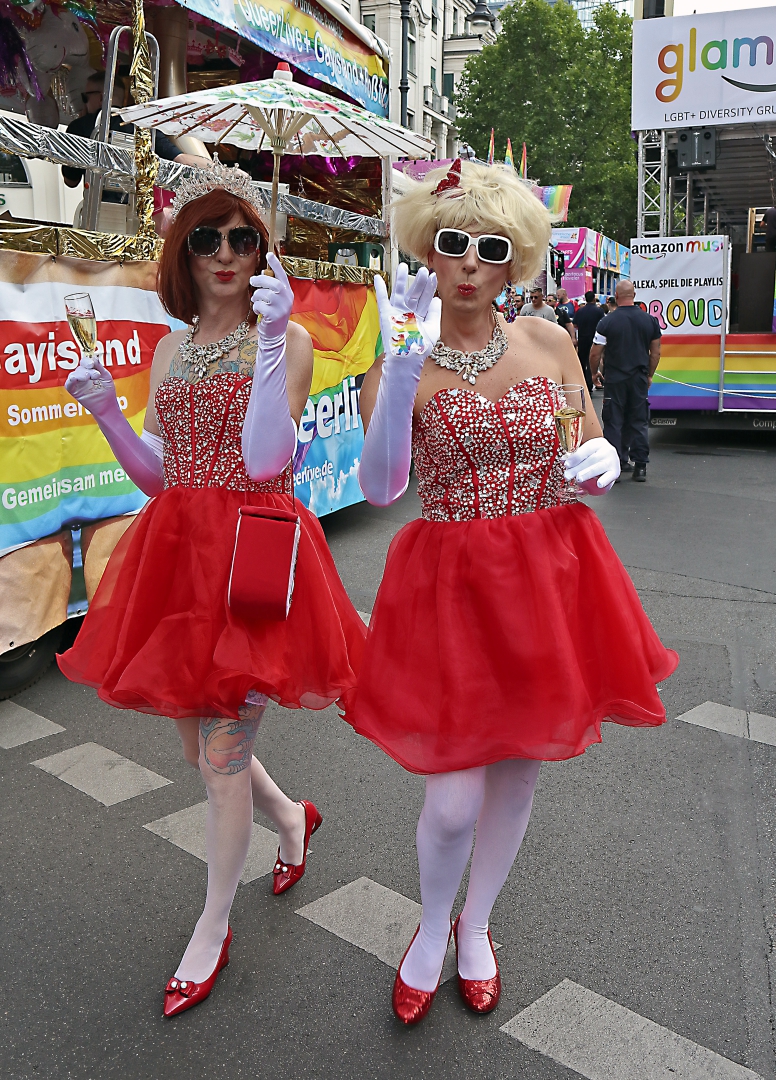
173, 280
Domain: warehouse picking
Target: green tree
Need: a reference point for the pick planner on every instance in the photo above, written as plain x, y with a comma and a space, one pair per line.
565, 92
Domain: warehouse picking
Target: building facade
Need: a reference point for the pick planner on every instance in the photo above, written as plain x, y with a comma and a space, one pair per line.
443, 34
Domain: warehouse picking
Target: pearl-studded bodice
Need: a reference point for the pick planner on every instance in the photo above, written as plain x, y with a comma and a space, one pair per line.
477, 458
201, 425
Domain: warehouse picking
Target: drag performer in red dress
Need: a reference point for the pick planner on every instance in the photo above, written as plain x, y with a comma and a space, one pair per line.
505, 628
159, 637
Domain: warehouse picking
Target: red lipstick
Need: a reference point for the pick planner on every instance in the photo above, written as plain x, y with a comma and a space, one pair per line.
225, 275
467, 290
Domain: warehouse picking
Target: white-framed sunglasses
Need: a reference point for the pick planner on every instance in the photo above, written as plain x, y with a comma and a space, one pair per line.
490, 248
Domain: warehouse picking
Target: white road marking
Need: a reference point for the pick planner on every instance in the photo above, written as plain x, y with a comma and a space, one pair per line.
602, 1040
98, 772
373, 918
186, 829
747, 725
18, 725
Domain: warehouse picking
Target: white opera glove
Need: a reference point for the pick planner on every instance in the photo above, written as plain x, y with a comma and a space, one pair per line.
269, 431
595, 466
410, 327
92, 386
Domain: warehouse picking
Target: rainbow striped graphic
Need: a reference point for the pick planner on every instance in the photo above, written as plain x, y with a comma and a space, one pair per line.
509, 157
688, 375
492, 148
524, 164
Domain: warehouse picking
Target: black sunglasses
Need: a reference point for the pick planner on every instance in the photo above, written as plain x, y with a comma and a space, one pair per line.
206, 240
89, 93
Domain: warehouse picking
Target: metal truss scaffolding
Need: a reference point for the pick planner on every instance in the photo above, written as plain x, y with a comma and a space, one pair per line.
653, 183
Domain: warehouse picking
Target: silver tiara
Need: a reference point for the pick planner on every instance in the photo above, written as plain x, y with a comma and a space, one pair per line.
199, 182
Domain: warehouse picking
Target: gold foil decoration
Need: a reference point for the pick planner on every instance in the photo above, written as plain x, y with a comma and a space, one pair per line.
144, 244
77, 243
313, 270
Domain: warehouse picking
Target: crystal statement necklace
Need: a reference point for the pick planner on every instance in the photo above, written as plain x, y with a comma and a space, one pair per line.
470, 365
200, 357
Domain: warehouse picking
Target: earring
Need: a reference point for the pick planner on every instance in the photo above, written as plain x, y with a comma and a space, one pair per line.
510, 304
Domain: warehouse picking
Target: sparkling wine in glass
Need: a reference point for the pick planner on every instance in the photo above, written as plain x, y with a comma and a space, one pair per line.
570, 420
80, 315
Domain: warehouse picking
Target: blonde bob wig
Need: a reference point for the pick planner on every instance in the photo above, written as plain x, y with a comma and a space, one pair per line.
494, 200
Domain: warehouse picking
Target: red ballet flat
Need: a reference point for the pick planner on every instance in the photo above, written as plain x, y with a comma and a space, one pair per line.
182, 994
480, 995
286, 874
410, 1005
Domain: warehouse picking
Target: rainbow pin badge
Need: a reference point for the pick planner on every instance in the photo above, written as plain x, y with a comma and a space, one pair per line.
405, 333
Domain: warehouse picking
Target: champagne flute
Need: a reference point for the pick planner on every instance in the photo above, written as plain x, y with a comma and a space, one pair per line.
83, 324
569, 416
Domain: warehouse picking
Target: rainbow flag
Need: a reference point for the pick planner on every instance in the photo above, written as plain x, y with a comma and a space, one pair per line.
508, 157
556, 198
524, 163
492, 148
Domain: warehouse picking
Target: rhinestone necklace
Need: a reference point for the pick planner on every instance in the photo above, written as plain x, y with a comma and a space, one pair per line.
200, 357
470, 365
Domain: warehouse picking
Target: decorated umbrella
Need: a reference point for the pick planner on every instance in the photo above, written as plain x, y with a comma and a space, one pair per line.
283, 116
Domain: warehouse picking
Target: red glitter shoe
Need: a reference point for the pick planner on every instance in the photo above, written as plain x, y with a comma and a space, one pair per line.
410, 1005
480, 995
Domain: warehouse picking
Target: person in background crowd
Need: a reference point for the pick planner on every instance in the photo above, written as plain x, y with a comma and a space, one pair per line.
632, 341
610, 305
538, 308
564, 319
85, 126
586, 320
565, 303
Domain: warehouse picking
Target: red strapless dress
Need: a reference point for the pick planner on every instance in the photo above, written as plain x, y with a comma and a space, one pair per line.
159, 636
505, 625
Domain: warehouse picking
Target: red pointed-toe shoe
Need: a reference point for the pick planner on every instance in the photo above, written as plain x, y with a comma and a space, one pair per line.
480, 995
286, 874
410, 1005
182, 994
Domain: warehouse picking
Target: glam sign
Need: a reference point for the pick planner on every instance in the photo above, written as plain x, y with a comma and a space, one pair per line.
711, 70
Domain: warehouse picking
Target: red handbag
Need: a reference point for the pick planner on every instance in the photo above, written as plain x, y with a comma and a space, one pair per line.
261, 581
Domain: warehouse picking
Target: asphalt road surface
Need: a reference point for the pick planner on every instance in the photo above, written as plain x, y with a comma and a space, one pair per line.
636, 927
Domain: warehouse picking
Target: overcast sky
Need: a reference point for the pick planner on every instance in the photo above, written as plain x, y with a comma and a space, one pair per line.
687, 7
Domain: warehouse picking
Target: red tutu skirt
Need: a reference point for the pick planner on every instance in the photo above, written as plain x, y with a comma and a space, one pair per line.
159, 636
509, 637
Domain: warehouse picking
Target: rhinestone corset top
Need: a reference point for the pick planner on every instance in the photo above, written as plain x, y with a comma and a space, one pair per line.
201, 425
477, 458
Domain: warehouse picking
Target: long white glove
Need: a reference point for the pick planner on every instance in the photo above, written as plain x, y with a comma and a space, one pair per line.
269, 431
91, 384
595, 466
410, 326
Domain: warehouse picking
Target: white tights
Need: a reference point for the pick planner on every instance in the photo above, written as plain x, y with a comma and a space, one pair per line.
497, 799
236, 781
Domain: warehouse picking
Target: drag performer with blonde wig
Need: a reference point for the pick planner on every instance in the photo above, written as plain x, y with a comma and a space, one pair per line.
159, 637
505, 629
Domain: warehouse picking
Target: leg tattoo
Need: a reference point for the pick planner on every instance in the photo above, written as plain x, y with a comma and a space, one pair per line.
228, 744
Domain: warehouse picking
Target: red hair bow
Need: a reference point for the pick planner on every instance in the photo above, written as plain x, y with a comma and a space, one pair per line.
451, 181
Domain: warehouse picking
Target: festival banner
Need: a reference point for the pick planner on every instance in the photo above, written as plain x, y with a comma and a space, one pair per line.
55, 466
305, 35
344, 325
680, 279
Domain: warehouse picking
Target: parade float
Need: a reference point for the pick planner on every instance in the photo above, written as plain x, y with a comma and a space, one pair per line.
64, 501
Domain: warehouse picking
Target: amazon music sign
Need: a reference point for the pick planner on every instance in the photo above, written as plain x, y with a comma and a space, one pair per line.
716, 70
